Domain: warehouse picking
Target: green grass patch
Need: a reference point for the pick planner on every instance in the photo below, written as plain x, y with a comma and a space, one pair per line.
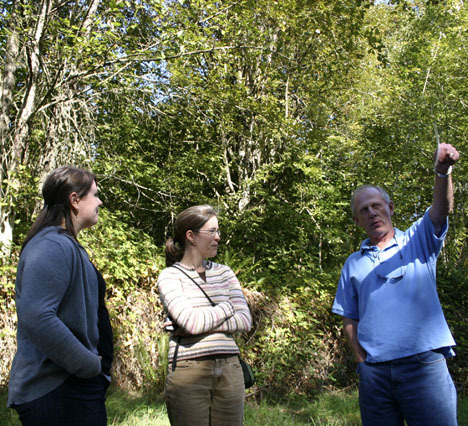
7, 415
337, 408
334, 409
127, 410
463, 410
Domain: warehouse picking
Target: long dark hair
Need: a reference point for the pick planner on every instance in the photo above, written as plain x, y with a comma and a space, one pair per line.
56, 190
193, 219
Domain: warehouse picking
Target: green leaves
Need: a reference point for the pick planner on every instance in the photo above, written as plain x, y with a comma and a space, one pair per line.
125, 256
271, 111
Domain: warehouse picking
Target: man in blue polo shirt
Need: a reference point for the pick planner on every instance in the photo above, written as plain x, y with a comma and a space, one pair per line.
392, 317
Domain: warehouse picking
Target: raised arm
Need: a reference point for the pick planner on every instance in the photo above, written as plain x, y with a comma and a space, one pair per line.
445, 157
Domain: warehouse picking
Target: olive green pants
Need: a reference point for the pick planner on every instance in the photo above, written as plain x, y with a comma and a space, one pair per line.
206, 392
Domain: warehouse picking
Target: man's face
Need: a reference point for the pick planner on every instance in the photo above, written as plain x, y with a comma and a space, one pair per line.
374, 215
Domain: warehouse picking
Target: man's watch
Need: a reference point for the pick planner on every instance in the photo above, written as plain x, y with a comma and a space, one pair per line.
443, 175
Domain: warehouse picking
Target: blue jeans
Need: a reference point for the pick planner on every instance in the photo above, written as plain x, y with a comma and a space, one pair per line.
76, 402
417, 389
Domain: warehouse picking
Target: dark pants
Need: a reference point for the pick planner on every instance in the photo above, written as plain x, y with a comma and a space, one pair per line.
76, 402
417, 389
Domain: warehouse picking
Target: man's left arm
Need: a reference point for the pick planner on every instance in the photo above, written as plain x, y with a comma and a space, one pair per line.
446, 156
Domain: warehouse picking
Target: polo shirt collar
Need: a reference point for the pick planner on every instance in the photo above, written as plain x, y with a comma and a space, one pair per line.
397, 239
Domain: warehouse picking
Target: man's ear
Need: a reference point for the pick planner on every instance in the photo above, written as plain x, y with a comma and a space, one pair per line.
356, 221
390, 206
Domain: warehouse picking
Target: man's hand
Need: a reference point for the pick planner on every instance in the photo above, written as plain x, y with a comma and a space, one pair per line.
445, 157
350, 331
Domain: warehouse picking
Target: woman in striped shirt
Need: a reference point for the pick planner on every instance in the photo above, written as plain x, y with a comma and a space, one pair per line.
205, 306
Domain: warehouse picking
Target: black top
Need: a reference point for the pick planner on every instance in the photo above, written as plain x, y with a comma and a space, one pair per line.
105, 346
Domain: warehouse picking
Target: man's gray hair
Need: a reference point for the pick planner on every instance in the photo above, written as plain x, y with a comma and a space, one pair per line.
382, 192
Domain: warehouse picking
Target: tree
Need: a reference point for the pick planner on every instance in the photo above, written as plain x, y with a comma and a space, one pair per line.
42, 108
244, 90
59, 59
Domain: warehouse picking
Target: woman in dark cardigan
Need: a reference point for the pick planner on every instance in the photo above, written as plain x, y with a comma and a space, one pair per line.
61, 369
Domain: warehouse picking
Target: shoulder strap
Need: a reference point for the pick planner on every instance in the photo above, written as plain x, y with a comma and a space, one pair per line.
174, 359
198, 285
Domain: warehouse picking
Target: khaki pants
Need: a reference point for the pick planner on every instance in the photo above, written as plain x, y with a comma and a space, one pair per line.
206, 392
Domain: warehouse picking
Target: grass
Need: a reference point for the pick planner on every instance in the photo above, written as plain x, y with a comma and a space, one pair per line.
126, 410
336, 408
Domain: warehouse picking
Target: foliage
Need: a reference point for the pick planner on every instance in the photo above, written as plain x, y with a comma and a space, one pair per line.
295, 344
130, 261
124, 255
452, 283
7, 415
7, 313
271, 111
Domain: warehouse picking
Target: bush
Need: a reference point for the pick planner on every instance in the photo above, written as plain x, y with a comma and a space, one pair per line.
296, 345
7, 314
451, 284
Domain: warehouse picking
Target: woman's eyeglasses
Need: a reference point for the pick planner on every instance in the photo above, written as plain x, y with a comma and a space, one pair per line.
212, 232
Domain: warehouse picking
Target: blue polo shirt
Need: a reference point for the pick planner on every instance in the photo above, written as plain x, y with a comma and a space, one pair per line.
393, 294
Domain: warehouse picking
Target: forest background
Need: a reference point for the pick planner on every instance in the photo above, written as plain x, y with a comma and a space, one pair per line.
271, 111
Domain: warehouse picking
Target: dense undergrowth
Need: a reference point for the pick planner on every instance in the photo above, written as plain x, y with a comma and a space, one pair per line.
295, 346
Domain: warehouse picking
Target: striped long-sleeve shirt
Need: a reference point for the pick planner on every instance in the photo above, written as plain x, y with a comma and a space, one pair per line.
208, 329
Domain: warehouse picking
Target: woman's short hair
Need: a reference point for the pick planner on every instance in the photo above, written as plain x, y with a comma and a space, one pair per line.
56, 190
193, 219
361, 188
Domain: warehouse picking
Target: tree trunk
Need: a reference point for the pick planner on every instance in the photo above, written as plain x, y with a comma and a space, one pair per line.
8, 83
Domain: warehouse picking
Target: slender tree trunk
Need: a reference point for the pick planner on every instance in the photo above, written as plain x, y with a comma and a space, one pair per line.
8, 83
15, 144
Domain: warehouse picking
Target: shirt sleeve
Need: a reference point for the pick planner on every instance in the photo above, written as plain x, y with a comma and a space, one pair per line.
46, 277
193, 320
422, 233
241, 320
346, 298
434, 241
